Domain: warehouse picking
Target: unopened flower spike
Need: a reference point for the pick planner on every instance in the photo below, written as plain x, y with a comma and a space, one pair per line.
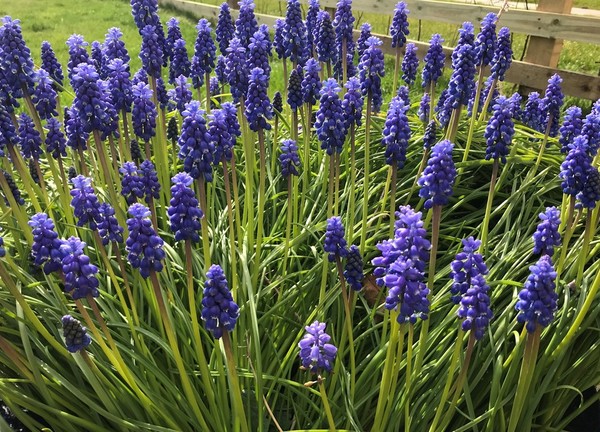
80, 275
571, 127
184, 212
289, 159
467, 265
144, 246
437, 180
219, 311
354, 268
546, 236
76, 337
538, 299
85, 202
335, 243
399, 26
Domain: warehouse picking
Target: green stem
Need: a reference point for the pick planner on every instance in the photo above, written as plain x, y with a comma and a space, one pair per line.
396, 70
532, 172
431, 101
352, 169
488, 208
488, 100
570, 227
348, 328
325, 400
587, 237
408, 387
388, 371
261, 205
232, 251
330, 176
365, 204
288, 228
473, 122
394, 170
16, 159
108, 177
204, 226
235, 390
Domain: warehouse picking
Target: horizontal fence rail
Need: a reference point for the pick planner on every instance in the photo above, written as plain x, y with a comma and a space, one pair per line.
575, 84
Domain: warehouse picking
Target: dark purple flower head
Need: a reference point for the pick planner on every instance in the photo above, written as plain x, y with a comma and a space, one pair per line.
8, 133
93, 106
205, 53
108, 226
467, 265
443, 108
438, 177
277, 102
404, 94
295, 40
361, 43
466, 35
434, 61
143, 115
150, 184
311, 83
44, 95
353, 271
56, 143
162, 95
182, 93
331, 123
533, 115
574, 169
500, 130
343, 23
220, 70
223, 139
85, 202
233, 125
316, 353
45, 249
196, 147
15, 58
225, 29
335, 243
144, 246
77, 135
14, 189
120, 85
312, 16
410, 64
80, 274
151, 52
424, 106
294, 98
353, 103
97, 59
399, 26
396, 133
219, 311
132, 186
29, 137
590, 194
260, 50
246, 24
289, 159
485, 44
552, 103
591, 131
372, 69
184, 213
8, 98
571, 127
114, 48
462, 80
546, 236
76, 337
516, 101
430, 135
172, 129
180, 61
173, 35
51, 65
2, 249
474, 307
325, 39
77, 53
503, 55
258, 106
236, 69
537, 299
278, 45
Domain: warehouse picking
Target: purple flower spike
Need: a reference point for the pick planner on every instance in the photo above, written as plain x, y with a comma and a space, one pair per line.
205, 53
311, 83
132, 186
278, 102
294, 98
151, 52
330, 124
223, 137
546, 236
93, 105
245, 25
312, 17
424, 106
151, 186
225, 29
80, 274
467, 265
31, 141
462, 79
44, 95
15, 58
76, 337
219, 311
236, 69
184, 213
399, 27
325, 39
143, 116
591, 131
77, 53
260, 50
503, 55
45, 249
353, 103
438, 177
2, 249
474, 307
353, 271
396, 133
258, 105
590, 194
196, 147
294, 37
289, 159
144, 246
85, 202
279, 28
77, 136
14, 189
552, 103
114, 48
335, 243
120, 85
97, 59
500, 130
316, 353
466, 35
56, 143
173, 34
434, 61
430, 135
51, 65
533, 115
361, 43
372, 69
537, 299
574, 169
108, 226
180, 61
182, 93
571, 127
485, 44
410, 64
343, 23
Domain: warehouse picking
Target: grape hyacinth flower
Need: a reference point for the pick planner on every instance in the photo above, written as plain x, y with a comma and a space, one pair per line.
396, 133
424, 108
236, 69
77, 136
316, 353
143, 115
325, 40
485, 43
591, 131
434, 61
353, 271
144, 246
462, 80
533, 115
289, 159
372, 69
44, 95
361, 42
120, 85
220, 69
134, 148
56, 143
590, 194
45, 249
15, 60
312, 24
93, 107
500, 130
14, 189
172, 130
219, 311
196, 147
260, 50
467, 265
546, 236
132, 186
352, 104
295, 41
173, 34
225, 29
77, 54
114, 48
96, 58
311, 83
108, 226
180, 62
278, 102
182, 93
330, 124
145, 12
410, 64
184, 213
502, 56
430, 137
575, 167
399, 26
51, 65
223, 139
343, 23
466, 36
29, 137
86, 207
474, 307
258, 106
443, 108
335, 243
151, 186
161, 94
516, 99
33, 172
551, 104
205, 53
294, 90
76, 337
571, 127
437, 179
8, 133
278, 45
80, 275
246, 24
537, 299
489, 86
151, 53
2, 249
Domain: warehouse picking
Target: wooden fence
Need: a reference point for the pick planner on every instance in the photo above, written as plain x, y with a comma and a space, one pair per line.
547, 26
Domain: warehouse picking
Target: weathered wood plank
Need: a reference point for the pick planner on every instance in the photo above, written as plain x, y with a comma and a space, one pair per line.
211, 12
